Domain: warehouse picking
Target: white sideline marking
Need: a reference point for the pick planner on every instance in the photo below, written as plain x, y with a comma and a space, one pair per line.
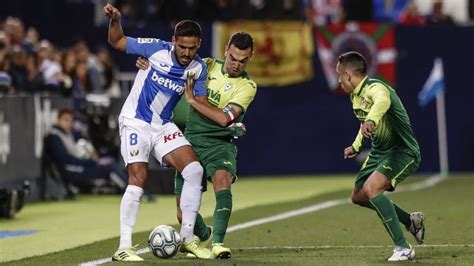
430, 182
357, 247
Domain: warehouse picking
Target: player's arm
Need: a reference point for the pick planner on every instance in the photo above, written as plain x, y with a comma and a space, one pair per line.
201, 104
380, 95
357, 144
116, 37
352, 151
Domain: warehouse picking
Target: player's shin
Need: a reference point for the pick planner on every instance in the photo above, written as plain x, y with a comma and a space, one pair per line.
387, 214
201, 229
403, 216
190, 198
222, 214
129, 208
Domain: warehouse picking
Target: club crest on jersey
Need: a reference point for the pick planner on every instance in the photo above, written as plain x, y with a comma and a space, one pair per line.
134, 153
164, 66
145, 40
364, 102
228, 87
167, 83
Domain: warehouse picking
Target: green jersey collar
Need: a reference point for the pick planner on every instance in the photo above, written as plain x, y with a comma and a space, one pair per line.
360, 87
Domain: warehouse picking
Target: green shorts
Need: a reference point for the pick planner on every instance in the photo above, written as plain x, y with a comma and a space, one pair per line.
214, 154
396, 166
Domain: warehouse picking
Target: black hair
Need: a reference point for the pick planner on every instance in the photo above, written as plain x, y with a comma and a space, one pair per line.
65, 111
187, 28
354, 61
241, 40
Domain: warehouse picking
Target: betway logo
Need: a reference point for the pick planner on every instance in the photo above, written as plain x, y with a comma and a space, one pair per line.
167, 83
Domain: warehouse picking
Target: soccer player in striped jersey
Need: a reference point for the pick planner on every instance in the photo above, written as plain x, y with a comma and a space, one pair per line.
394, 156
146, 127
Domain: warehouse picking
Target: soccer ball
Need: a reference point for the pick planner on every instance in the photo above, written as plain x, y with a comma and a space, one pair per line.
164, 241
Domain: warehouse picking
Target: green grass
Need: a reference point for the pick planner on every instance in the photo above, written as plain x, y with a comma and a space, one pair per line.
64, 225
329, 237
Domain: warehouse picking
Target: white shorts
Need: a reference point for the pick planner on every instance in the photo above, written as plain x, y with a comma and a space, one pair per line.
139, 139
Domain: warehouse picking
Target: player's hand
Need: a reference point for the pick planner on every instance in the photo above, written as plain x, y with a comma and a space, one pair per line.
189, 88
349, 153
367, 128
238, 129
142, 63
111, 12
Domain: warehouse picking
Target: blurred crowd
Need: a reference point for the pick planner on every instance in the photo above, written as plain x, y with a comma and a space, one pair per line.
30, 64
404, 12
318, 12
170, 12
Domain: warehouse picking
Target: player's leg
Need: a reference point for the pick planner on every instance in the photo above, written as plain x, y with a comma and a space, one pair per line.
397, 167
219, 159
176, 151
201, 230
135, 147
372, 163
374, 188
360, 198
130, 204
185, 161
222, 182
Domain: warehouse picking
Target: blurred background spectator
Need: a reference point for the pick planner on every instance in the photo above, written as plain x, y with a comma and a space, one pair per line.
438, 15
411, 16
76, 159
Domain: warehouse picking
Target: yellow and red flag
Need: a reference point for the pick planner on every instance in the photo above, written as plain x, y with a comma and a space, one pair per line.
283, 50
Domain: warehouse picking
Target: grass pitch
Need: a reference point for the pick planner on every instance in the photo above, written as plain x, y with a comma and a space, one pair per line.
341, 235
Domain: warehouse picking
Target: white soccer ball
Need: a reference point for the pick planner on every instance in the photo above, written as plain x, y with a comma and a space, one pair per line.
164, 241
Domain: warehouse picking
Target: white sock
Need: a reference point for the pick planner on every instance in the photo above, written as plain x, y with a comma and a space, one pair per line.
128, 214
190, 198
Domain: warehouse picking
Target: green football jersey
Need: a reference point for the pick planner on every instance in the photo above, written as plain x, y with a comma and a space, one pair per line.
221, 91
375, 100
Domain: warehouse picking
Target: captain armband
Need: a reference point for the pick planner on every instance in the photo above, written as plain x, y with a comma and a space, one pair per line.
230, 113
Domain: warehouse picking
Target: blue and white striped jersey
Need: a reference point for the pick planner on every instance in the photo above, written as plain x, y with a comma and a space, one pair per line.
157, 90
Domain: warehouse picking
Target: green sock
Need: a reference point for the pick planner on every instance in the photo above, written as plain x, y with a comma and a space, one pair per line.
201, 229
403, 216
387, 214
222, 214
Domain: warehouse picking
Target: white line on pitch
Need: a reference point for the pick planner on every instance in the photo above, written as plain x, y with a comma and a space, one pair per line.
430, 182
356, 247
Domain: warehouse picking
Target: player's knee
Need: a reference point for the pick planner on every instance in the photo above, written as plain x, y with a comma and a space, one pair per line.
355, 199
192, 173
371, 190
222, 180
221, 184
137, 180
359, 201
137, 174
